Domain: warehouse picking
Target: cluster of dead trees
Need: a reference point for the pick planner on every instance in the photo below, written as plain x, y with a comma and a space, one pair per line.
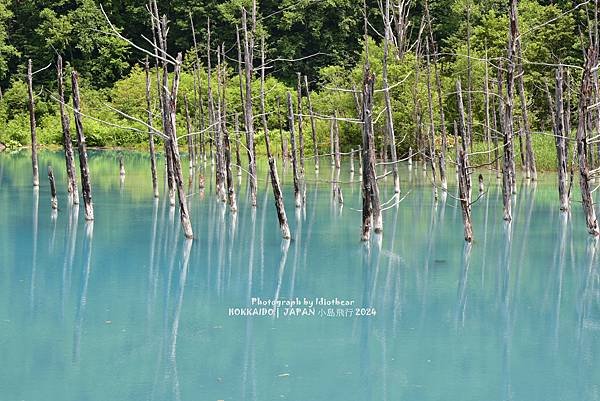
213, 132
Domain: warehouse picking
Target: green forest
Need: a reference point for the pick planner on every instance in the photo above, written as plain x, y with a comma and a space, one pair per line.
464, 40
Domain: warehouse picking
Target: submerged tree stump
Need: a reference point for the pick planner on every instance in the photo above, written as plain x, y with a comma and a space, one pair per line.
53, 199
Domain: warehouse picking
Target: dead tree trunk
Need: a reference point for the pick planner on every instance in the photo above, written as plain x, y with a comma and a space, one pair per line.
86, 185
277, 194
464, 193
188, 125
160, 32
53, 199
508, 167
389, 122
300, 131
486, 105
67, 140
438, 81
530, 168
248, 115
463, 134
151, 131
336, 141
284, 148
371, 209
297, 194
121, 167
238, 159
560, 137
32, 125
432, 155
313, 125
584, 178
220, 173
170, 103
332, 140
226, 145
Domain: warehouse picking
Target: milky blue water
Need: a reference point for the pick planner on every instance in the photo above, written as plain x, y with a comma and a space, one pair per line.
126, 309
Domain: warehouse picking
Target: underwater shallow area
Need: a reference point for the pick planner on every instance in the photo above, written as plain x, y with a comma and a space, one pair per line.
126, 309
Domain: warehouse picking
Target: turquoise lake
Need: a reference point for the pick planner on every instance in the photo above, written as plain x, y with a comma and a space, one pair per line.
126, 309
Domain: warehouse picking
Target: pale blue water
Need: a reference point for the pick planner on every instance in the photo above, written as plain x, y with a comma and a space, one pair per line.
113, 312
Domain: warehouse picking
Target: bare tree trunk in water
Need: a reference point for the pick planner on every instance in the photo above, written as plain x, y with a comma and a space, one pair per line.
584, 178
277, 194
300, 132
67, 140
313, 125
248, 114
560, 137
389, 122
86, 185
297, 194
53, 199
32, 125
151, 131
371, 209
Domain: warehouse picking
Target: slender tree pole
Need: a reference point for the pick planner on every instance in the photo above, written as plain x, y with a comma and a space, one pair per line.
584, 178
277, 193
297, 194
86, 185
300, 131
67, 140
371, 209
150, 131
32, 125
389, 121
313, 125
560, 137
248, 114
530, 168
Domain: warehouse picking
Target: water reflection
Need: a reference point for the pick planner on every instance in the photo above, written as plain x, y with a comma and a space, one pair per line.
128, 309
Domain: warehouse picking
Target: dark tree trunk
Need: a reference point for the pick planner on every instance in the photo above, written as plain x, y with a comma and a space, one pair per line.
86, 185
32, 125
560, 137
151, 132
297, 194
584, 178
313, 125
371, 210
300, 131
53, 199
67, 140
277, 193
248, 114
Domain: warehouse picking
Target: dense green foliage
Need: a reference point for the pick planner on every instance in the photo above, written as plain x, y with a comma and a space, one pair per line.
324, 38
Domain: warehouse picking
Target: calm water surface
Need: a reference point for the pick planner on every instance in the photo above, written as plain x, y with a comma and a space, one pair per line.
125, 309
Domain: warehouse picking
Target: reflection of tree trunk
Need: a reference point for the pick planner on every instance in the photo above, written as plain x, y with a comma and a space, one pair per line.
506, 302
79, 316
187, 245
69, 246
36, 204
461, 305
560, 268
